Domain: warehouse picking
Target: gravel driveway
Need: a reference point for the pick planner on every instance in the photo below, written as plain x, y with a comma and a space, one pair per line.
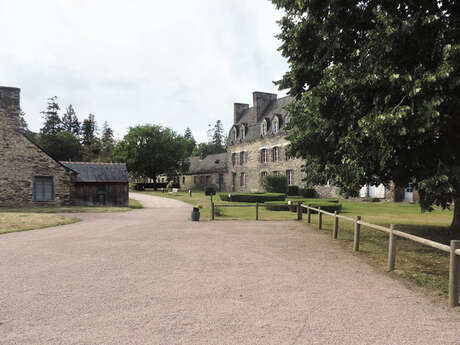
152, 276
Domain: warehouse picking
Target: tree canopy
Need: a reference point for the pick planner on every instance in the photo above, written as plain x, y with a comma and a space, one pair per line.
376, 87
151, 150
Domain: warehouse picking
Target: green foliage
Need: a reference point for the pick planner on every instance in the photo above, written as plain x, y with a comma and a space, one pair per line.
252, 197
216, 140
52, 124
63, 146
89, 130
107, 143
293, 190
70, 121
190, 140
151, 150
274, 183
308, 192
376, 86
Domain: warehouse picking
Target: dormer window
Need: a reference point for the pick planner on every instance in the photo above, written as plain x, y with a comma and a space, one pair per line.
263, 127
243, 131
287, 118
234, 133
276, 124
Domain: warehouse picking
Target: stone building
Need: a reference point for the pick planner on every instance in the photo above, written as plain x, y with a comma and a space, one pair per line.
206, 171
31, 177
257, 146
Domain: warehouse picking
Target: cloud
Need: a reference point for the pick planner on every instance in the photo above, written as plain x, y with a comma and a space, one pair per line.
179, 64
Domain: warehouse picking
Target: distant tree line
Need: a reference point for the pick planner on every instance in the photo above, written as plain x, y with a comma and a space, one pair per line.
64, 137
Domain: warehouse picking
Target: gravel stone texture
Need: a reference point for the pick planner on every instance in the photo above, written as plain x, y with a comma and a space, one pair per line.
152, 276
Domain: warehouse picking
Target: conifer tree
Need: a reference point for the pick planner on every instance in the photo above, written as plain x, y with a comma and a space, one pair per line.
70, 121
52, 124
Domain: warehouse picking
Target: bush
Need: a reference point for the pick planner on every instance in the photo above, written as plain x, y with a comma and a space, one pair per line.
274, 183
210, 190
308, 192
293, 190
252, 197
325, 204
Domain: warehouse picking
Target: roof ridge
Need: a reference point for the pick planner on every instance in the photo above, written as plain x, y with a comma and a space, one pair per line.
98, 163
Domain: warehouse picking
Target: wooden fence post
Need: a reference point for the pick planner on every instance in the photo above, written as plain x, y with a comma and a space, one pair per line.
335, 231
357, 234
320, 218
309, 214
454, 274
299, 210
391, 249
257, 210
212, 211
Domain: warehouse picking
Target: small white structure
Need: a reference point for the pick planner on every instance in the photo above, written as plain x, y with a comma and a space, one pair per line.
368, 191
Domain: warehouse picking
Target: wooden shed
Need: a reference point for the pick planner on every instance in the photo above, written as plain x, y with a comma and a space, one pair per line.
100, 184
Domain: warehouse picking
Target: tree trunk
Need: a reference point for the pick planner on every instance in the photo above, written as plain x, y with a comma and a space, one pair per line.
455, 226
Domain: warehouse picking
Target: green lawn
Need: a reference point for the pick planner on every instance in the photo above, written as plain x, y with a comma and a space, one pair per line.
420, 264
32, 218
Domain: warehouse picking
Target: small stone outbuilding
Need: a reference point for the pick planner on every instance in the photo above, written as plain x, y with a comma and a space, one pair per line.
31, 177
206, 171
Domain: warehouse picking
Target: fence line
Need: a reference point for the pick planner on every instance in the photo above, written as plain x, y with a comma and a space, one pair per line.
453, 249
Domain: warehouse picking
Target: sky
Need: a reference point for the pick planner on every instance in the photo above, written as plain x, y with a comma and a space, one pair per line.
176, 63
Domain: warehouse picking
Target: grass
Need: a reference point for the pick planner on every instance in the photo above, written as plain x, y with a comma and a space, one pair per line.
17, 221
419, 264
30, 218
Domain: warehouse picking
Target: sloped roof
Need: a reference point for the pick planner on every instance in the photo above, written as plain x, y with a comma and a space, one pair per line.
214, 163
99, 172
275, 108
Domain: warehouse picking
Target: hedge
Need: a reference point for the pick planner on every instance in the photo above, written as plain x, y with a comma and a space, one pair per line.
326, 205
293, 190
252, 197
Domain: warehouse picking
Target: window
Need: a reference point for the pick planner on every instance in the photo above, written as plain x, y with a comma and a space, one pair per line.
276, 124
242, 157
242, 179
289, 176
263, 127
233, 158
43, 188
287, 118
262, 175
276, 154
235, 134
195, 179
243, 131
276, 172
183, 179
263, 155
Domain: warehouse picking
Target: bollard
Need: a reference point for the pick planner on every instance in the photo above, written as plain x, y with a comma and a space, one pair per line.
299, 210
212, 211
454, 274
335, 232
257, 210
320, 218
391, 249
308, 214
357, 234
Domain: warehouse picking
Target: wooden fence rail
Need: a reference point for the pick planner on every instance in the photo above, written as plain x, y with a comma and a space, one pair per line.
453, 249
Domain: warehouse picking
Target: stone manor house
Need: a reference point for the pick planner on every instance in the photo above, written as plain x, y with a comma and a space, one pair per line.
256, 146
31, 177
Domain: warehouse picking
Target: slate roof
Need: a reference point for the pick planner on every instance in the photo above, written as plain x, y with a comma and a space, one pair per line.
99, 172
253, 128
214, 163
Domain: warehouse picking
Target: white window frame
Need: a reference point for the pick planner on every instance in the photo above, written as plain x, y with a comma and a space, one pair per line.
263, 127
263, 153
276, 153
289, 176
243, 131
242, 179
276, 124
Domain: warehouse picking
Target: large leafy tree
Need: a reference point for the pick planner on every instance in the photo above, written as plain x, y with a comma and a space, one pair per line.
151, 150
376, 87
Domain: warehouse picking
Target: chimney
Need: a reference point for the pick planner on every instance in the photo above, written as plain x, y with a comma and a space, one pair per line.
260, 101
203, 153
238, 110
9, 107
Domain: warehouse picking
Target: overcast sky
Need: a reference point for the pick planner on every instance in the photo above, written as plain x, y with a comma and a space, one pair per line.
175, 63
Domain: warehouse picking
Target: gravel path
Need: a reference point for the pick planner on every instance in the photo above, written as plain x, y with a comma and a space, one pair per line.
152, 276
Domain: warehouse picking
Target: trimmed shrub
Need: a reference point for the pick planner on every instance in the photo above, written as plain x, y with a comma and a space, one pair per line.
308, 192
210, 190
274, 183
293, 190
326, 205
252, 197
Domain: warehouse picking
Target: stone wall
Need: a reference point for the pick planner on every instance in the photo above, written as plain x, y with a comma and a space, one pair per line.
200, 181
21, 160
